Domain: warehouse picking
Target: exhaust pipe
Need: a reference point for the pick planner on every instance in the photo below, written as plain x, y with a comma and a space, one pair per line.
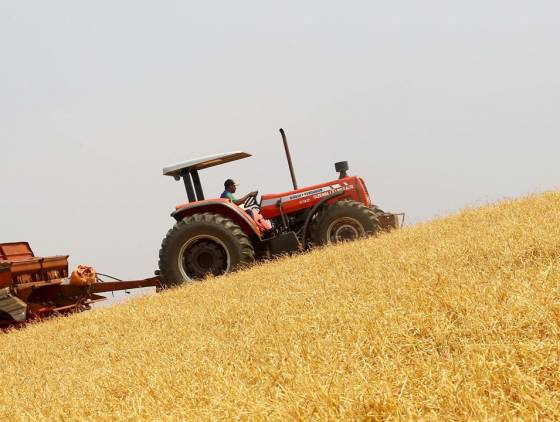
342, 168
289, 157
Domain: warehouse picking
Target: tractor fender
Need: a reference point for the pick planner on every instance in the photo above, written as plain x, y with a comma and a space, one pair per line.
222, 207
314, 211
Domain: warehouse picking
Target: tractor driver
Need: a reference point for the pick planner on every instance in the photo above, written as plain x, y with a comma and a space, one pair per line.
230, 188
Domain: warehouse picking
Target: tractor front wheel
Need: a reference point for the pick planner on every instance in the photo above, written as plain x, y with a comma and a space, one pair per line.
200, 245
344, 221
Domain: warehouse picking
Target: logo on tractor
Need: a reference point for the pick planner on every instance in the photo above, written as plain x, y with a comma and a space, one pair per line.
319, 193
334, 189
304, 194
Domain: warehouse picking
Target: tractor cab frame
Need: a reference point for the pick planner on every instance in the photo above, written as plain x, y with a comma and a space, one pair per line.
188, 171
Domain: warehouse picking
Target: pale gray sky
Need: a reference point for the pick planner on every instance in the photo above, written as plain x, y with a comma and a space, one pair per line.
437, 104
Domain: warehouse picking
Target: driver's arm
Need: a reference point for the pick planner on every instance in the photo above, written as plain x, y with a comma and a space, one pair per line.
241, 201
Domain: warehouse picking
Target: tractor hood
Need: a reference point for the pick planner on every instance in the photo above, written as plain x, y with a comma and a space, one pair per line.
178, 169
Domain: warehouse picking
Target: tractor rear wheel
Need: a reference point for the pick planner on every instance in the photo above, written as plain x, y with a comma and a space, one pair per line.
200, 245
344, 221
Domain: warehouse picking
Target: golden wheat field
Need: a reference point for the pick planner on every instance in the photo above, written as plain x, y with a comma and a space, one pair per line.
451, 320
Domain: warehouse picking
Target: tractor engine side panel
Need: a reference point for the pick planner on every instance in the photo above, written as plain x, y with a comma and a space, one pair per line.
302, 199
363, 193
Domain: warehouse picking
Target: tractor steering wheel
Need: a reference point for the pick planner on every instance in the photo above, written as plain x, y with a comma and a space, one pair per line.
251, 201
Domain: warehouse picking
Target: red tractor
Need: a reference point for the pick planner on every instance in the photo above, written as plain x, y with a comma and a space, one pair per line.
215, 236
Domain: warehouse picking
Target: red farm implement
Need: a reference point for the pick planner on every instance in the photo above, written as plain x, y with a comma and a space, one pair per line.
34, 287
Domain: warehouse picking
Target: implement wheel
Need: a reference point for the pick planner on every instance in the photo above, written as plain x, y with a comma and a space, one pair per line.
201, 245
344, 221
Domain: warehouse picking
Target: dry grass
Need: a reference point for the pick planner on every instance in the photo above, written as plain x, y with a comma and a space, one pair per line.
452, 320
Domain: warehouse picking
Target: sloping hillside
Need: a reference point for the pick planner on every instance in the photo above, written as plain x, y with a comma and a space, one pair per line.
455, 319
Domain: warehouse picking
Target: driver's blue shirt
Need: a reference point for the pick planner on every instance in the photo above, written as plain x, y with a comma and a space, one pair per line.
228, 195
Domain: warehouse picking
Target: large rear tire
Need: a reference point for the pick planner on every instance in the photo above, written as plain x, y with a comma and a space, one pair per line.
344, 221
200, 245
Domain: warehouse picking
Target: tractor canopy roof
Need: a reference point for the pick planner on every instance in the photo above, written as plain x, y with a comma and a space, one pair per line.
178, 169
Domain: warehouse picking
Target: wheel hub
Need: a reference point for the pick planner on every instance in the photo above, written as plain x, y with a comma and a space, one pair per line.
345, 230
203, 258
